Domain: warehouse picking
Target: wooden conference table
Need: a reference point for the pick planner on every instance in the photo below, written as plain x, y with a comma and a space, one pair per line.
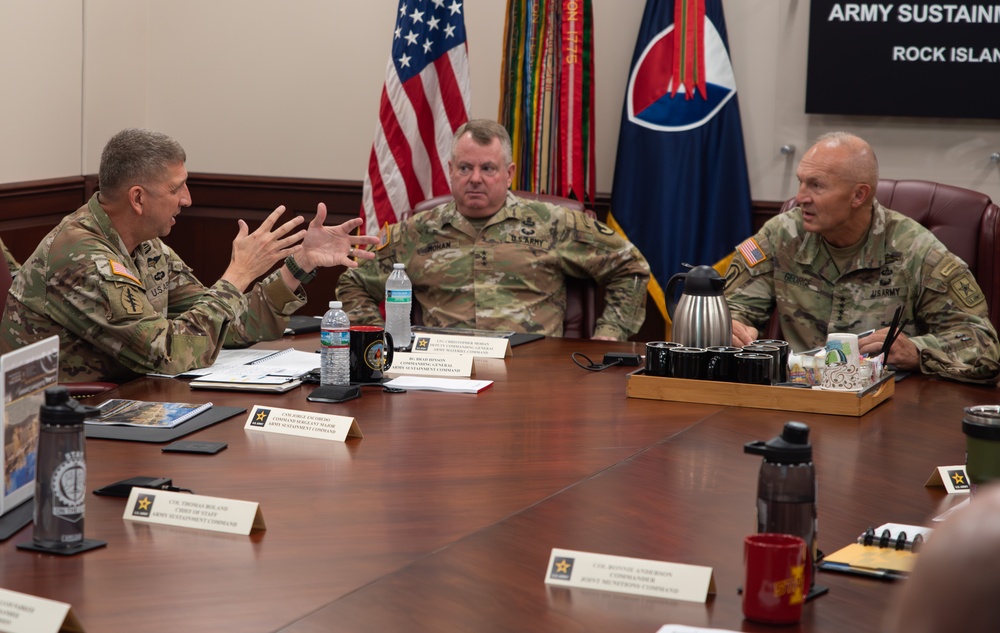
443, 516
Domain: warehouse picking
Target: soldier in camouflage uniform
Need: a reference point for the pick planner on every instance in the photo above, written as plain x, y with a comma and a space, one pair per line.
492, 261
123, 303
11, 262
841, 262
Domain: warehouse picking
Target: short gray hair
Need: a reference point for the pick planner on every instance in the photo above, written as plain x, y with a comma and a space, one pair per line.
136, 156
863, 165
483, 132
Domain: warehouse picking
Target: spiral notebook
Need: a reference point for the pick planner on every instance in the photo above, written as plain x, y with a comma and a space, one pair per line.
888, 551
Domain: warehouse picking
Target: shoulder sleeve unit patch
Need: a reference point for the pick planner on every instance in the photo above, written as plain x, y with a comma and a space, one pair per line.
750, 250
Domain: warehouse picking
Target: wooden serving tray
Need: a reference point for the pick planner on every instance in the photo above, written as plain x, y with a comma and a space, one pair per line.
737, 394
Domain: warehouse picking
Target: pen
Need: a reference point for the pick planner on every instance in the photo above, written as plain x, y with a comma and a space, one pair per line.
887, 574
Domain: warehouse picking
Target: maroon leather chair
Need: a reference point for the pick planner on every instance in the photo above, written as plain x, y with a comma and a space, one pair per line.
966, 221
581, 294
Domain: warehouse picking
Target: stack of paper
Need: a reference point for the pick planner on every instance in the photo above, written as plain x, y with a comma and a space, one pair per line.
452, 385
255, 370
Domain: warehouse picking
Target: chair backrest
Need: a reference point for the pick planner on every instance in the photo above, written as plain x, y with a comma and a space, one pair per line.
967, 223
581, 294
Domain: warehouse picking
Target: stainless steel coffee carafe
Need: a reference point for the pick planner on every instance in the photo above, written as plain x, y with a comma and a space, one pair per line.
701, 316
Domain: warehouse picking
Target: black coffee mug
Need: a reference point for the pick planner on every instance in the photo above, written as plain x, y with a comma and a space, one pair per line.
783, 360
774, 351
754, 369
371, 353
658, 357
688, 362
721, 364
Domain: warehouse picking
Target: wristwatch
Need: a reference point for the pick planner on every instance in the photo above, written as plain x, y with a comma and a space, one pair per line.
297, 272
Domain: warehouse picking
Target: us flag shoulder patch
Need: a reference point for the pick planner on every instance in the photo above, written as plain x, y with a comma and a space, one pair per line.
120, 270
750, 250
383, 237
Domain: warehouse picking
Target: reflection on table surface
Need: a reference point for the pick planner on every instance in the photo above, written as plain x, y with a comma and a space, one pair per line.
443, 516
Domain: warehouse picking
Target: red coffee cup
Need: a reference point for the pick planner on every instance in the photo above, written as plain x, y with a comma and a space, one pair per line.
774, 582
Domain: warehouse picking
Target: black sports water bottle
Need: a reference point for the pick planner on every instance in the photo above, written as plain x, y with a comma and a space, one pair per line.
61, 476
786, 488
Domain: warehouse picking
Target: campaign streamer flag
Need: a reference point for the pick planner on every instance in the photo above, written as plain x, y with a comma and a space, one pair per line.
547, 100
681, 192
424, 100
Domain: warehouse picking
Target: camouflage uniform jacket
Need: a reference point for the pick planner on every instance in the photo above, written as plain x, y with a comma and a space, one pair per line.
901, 263
119, 314
11, 262
509, 276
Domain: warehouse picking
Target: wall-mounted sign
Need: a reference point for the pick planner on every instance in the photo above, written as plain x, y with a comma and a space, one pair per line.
929, 59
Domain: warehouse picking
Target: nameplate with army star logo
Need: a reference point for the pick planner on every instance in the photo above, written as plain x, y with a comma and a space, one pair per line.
481, 346
320, 426
638, 576
428, 364
24, 613
179, 509
954, 479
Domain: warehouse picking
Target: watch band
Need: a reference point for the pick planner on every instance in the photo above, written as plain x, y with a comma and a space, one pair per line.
297, 272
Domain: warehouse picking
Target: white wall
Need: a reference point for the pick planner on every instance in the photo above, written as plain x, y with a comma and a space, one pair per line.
291, 88
40, 78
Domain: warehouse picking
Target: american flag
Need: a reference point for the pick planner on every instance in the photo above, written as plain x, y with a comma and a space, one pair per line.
424, 100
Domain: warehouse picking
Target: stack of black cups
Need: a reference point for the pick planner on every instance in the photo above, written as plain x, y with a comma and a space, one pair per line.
764, 362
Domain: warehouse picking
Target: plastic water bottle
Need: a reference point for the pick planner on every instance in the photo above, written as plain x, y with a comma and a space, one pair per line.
335, 342
786, 488
61, 478
398, 303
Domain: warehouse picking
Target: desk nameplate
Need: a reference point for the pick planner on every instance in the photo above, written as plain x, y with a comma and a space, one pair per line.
320, 426
487, 347
955, 479
431, 364
637, 576
23, 613
193, 511
735, 394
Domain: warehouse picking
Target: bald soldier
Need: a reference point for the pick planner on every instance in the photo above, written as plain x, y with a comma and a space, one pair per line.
492, 261
123, 303
953, 585
841, 262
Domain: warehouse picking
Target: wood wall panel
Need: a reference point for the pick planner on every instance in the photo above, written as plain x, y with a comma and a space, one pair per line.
204, 233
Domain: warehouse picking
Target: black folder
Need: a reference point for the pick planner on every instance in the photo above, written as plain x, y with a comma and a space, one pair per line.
144, 434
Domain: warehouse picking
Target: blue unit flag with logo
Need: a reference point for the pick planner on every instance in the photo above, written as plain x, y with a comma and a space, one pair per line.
681, 192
